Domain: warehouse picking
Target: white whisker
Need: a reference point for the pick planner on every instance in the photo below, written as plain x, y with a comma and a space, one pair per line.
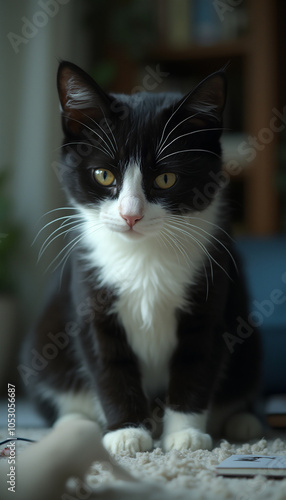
206, 251
164, 239
189, 151
114, 146
59, 208
177, 244
71, 245
65, 218
172, 115
214, 225
49, 240
198, 242
198, 228
103, 150
180, 246
108, 150
184, 135
160, 146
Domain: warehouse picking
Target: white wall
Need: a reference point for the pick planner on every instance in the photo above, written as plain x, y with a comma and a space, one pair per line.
29, 118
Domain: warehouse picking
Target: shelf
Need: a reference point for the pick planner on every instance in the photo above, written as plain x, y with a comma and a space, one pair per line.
221, 50
253, 96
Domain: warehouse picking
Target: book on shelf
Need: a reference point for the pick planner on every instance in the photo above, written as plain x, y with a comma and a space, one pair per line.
183, 23
174, 23
252, 465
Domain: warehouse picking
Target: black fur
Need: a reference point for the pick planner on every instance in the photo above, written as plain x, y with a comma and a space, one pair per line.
92, 348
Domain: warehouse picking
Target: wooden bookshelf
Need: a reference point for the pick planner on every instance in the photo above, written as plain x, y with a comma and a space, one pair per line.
256, 54
261, 97
221, 50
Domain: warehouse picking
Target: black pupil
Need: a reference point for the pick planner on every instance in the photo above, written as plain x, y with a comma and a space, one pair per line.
105, 175
165, 178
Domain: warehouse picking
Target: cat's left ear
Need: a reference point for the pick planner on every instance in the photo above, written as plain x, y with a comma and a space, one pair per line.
205, 103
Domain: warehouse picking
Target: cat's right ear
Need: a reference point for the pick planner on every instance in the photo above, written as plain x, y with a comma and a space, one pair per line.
82, 100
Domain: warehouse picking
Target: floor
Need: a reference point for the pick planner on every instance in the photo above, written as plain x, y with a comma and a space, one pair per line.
26, 415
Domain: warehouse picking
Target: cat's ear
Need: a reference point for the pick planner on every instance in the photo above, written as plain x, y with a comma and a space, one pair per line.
205, 103
81, 98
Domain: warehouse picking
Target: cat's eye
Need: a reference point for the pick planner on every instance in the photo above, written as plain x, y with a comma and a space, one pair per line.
165, 181
104, 177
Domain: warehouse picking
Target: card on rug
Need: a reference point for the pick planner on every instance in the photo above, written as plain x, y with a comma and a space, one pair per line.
251, 465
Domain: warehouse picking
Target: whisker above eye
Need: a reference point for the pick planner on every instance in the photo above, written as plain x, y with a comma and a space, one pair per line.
160, 146
189, 151
184, 135
108, 148
78, 143
171, 117
114, 146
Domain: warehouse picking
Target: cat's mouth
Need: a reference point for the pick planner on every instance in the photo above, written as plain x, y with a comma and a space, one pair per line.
132, 233
146, 226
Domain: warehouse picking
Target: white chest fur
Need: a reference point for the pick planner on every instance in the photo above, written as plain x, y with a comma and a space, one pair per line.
150, 284
149, 272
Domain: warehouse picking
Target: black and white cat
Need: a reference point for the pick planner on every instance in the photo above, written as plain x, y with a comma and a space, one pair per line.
152, 287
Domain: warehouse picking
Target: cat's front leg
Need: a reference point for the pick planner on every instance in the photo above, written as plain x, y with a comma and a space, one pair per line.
126, 410
118, 385
192, 376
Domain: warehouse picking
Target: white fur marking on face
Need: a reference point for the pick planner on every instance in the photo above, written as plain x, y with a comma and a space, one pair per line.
132, 190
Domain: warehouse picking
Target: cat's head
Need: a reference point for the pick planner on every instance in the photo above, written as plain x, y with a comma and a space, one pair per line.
129, 161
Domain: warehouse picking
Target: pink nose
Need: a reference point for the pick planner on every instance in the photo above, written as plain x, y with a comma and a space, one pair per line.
131, 219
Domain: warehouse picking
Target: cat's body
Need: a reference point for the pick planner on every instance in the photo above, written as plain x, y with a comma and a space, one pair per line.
151, 294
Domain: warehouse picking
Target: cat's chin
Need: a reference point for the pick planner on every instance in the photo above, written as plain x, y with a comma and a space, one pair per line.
132, 235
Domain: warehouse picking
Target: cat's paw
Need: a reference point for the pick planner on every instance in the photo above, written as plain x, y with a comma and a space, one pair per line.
187, 439
128, 441
243, 427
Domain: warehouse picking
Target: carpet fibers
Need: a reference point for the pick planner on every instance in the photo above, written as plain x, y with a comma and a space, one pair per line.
191, 475
176, 475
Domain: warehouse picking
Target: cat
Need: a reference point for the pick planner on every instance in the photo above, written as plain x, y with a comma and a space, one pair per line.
152, 289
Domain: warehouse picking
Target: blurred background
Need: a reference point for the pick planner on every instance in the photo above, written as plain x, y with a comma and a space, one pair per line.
128, 46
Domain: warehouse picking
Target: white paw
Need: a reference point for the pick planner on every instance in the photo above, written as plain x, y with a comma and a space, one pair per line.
129, 441
242, 427
188, 439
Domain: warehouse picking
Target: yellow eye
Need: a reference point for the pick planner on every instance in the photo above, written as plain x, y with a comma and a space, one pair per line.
104, 177
165, 181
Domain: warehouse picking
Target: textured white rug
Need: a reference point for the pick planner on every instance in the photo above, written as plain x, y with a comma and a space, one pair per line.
191, 475
174, 475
